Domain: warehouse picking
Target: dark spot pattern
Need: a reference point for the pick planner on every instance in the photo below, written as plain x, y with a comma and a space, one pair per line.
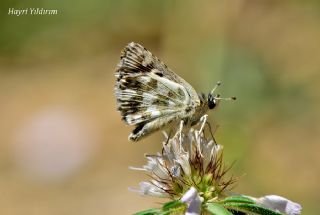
138, 128
180, 92
162, 102
153, 84
159, 73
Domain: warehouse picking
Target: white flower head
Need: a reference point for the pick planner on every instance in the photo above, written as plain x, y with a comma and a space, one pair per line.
188, 160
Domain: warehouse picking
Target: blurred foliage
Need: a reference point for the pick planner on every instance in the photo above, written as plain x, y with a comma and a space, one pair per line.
266, 53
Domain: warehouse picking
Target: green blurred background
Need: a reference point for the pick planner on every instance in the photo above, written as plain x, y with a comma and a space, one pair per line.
64, 149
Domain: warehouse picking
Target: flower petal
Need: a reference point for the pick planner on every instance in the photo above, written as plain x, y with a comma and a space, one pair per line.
147, 188
192, 198
280, 204
189, 195
183, 160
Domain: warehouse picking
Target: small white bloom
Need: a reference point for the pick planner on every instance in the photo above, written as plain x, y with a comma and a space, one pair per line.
151, 189
192, 198
280, 204
183, 160
177, 155
155, 165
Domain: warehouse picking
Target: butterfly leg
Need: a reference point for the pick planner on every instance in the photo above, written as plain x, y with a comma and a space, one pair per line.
203, 121
200, 132
180, 131
211, 133
167, 136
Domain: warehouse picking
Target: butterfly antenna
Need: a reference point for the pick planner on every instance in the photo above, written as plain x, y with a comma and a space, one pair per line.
226, 99
215, 87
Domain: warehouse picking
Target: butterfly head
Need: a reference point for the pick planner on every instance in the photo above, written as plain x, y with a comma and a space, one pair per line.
214, 99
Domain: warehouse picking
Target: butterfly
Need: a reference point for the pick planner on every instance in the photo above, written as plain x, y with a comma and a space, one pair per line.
150, 96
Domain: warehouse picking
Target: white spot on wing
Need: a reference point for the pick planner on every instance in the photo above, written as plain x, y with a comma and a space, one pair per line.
148, 98
137, 116
163, 90
171, 103
154, 111
129, 91
173, 86
144, 79
147, 60
152, 108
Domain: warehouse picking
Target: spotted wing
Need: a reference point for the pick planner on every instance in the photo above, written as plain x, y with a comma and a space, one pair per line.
147, 90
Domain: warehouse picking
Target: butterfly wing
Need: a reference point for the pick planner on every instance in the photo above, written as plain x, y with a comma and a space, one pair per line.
149, 95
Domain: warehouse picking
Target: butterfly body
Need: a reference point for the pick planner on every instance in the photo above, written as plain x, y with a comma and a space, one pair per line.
151, 96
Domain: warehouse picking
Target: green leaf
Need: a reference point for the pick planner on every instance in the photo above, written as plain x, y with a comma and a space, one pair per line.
165, 213
153, 211
251, 208
172, 204
167, 208
238, 199
217, 209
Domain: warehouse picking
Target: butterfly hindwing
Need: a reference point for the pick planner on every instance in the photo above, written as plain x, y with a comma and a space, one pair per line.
149, 95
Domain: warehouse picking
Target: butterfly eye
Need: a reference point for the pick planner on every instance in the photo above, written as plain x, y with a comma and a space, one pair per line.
211, 101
